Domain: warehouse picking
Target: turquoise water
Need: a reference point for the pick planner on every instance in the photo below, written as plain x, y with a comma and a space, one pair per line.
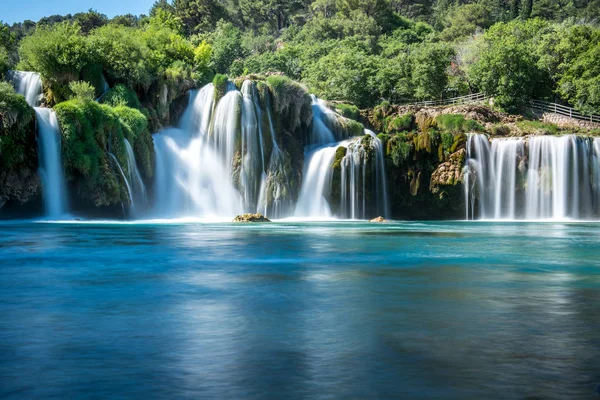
300, 310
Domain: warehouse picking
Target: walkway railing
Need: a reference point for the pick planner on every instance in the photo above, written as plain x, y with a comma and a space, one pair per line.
468, 99
554, 108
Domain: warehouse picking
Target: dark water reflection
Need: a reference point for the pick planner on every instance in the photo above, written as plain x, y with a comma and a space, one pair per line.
337, 310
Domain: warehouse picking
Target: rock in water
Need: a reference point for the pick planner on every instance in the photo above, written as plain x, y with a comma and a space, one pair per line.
379, 219
251, 218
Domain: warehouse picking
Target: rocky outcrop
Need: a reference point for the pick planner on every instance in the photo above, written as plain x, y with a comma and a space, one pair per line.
19, 183
251, 218
448, 173
379, 219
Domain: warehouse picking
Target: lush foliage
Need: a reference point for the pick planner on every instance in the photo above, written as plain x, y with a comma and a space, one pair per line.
361, 52
17, 138
92, 134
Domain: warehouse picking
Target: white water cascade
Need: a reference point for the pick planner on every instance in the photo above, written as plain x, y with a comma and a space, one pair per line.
29, 84
51, 166
315, 196
539, 177
127, 185
51, 170
138, 195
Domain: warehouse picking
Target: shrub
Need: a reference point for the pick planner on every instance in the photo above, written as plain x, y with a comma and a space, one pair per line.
121, 95
82, 90
220, 83
348, 110
400, 123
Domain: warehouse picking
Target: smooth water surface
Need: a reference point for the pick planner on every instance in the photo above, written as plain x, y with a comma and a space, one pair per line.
300, 310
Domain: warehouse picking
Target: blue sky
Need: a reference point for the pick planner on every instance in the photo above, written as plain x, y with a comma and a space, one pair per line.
19, 10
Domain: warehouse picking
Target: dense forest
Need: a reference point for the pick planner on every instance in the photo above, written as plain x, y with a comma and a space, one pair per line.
360, 51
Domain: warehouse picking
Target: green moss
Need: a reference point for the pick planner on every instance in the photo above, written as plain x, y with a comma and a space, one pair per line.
89, 132
399, 149
354, 128
459, 140
423, 142
220, 84
348, 110
340, 153
291, 103
425, 122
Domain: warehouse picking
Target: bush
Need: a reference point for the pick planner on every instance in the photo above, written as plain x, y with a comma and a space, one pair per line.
220, 83
500, 130
457, 123
348, 110
400, 123
17, 132
121, 95
82, 90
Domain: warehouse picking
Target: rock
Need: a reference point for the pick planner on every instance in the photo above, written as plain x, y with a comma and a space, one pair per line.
379, 219
448, 173
251, 218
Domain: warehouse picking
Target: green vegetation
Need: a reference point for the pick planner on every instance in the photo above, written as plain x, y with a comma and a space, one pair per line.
457, 123
17, 137
91, 131
358, 52
82, 90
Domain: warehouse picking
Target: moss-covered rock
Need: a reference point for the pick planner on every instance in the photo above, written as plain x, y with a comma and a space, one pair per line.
90, 133
251, 218
19, 182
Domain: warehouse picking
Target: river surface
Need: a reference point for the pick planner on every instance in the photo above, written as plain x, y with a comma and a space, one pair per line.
453, 310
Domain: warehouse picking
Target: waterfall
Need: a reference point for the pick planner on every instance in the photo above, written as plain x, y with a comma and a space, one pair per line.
137, 184
355, 176
129, 191
316, 185
356, 169
51, 167
29, 84
51, 170
539, 177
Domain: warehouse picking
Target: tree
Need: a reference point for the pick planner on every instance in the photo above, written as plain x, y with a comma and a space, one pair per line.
227, 46
199, 15
507, 66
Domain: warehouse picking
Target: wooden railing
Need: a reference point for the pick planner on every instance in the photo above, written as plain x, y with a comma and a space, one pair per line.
468, 99
554, 108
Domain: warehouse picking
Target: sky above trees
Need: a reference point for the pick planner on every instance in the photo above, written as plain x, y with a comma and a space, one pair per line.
17, 11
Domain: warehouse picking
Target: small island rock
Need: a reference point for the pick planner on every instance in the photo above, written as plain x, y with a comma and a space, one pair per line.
251, 218
379, 219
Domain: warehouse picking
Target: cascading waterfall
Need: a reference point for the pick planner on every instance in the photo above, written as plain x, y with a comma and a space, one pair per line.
138, 195
51, 166
29, 84
127, 185
355, 176
539, 177
51, 170
316, 185
356, 170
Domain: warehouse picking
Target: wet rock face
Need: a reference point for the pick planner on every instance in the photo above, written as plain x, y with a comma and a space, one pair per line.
251, 218
20, 186
448, 173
